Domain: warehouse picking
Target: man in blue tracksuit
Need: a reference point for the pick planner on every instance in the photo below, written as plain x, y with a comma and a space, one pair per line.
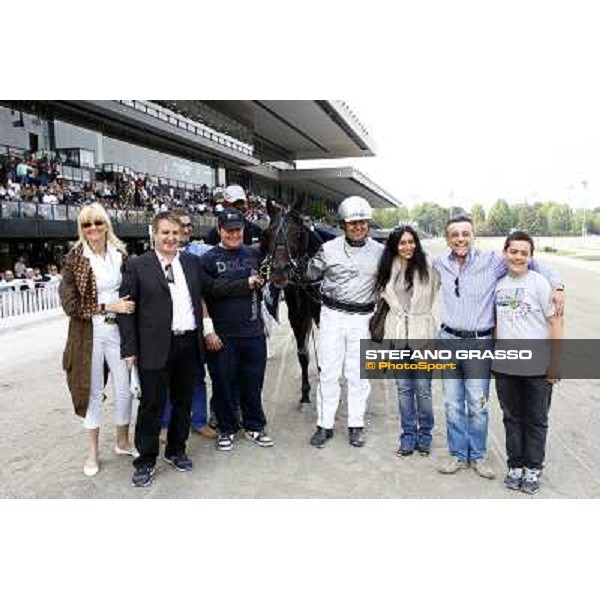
237, 353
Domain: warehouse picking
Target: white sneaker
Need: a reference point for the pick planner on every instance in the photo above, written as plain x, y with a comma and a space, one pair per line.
452, 465
91, 468
483, 469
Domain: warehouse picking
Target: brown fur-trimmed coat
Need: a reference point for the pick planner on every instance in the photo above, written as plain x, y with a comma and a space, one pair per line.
79, 298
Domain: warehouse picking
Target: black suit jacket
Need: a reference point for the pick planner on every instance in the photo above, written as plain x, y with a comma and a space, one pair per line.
147, 333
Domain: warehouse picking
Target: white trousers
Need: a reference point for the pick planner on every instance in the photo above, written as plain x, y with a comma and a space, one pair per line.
339, 351
107, 347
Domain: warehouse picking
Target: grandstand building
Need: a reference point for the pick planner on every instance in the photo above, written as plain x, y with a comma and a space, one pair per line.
138, 151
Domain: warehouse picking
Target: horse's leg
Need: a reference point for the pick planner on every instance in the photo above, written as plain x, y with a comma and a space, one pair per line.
300, 321
304, 358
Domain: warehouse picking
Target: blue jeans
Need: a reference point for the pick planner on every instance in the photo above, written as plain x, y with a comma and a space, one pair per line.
199, 417
416, 411
466, 401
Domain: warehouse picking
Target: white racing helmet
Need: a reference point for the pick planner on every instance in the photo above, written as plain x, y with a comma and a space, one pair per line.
355, 208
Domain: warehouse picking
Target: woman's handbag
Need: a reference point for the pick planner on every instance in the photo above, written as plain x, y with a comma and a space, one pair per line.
377, 322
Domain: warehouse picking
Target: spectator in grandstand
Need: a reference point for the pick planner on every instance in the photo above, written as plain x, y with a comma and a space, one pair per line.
49, 197
239, 345
9, 283
29, 280
53, 275
235, 197
89, 295
23, 171
409, 286
37, 275
14, 190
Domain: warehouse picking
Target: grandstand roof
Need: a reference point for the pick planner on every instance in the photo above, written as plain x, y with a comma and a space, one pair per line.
164, 127
301, 129
338, 183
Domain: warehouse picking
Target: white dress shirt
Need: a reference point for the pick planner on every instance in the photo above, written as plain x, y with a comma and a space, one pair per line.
107, 273
183, 309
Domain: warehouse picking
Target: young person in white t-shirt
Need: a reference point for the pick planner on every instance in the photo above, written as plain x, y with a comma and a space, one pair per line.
524, 311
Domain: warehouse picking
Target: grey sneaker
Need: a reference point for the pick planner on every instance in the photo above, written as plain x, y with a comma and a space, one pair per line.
142, 476
483, 469
356, 436
320, 437
513, 479
452, 465
531, 481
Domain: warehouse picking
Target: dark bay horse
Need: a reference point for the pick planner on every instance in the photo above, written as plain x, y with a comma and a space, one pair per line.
288, 244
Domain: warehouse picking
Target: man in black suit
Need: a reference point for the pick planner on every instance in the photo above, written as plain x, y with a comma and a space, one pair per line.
165, 338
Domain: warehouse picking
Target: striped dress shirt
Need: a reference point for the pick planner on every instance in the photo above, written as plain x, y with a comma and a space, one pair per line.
472, 308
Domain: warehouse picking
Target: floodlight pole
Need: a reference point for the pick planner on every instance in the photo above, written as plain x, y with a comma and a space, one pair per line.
583, 225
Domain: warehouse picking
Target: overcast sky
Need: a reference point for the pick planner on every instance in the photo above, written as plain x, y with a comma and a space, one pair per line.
508, 108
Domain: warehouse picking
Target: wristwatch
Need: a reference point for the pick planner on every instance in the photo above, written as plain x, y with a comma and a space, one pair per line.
102, 309
560, 287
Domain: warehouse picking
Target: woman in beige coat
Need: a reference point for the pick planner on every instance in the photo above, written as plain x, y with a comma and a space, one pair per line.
89, 295
409, 285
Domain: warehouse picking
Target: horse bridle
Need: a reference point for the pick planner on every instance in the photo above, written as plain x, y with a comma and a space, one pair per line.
281, 239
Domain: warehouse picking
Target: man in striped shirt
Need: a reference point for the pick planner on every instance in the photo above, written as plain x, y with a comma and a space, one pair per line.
468, 282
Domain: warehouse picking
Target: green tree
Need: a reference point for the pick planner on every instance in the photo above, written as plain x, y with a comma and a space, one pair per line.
478, 215
389, 217
559, 219
500, 219
431, 217
527, 218
594, 222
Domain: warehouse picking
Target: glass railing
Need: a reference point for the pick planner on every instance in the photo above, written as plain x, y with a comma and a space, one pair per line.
186, 124
11, 209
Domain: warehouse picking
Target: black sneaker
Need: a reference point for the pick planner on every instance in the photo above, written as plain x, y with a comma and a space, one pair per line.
320, 437
530, 483
514, 479
356, 436
424, 450
142, 476
180, 462
259, 437
225, 442
402, 452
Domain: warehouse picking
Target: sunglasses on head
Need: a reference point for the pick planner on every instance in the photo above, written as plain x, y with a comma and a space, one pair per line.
88, 224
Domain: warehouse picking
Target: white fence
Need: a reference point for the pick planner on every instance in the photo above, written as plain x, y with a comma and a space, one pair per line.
13, 303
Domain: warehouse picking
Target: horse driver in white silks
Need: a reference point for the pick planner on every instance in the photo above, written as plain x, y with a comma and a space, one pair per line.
348, 266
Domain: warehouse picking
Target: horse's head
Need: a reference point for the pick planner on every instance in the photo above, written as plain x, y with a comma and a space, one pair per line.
285, 244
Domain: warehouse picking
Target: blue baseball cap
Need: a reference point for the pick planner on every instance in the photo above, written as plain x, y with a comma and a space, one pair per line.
230, 218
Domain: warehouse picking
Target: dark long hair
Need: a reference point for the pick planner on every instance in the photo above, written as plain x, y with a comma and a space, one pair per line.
417, 263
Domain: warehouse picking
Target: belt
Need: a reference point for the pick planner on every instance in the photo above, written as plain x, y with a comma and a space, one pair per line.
461, 333
349, 307
180, 332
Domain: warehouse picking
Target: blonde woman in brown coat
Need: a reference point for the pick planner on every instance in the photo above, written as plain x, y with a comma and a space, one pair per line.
89, 295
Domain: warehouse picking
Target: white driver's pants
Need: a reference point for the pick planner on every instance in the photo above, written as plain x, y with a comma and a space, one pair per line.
339, 351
